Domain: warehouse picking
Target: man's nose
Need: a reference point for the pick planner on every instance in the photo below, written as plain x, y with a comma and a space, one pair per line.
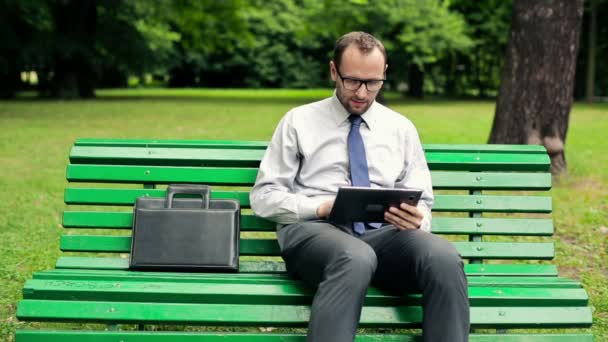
362, 91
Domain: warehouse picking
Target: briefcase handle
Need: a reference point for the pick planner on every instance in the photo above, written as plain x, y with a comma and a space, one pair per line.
189, 189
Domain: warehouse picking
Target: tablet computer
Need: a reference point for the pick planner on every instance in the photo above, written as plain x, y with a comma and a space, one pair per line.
363, 204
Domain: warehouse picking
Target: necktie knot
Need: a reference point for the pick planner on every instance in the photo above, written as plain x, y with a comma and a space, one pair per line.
355, 120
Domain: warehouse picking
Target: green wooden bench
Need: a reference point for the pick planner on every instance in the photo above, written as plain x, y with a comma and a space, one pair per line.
490, 199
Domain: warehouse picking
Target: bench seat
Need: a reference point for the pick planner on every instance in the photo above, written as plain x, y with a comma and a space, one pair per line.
162, 336
491, 202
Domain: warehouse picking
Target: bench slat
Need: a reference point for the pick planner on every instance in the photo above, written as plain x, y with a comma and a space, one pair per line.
246, 176
109, 263
156, 174
456, 203
119, 197
249, 222
124, 220
173, 156
494, 148
243, 278
277, 294
480, 203
178, 156
263, 247
283, 315
490, 180
248, 144
492, 226
164, 336
100, 196
175, 143
240, 278
487, 161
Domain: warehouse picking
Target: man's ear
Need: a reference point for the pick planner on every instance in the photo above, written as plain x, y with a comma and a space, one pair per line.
385, 68
332, 70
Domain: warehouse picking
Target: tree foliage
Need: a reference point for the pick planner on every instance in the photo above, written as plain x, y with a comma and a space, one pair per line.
477, 70
452, 47
414, 32
600, 50
72, 44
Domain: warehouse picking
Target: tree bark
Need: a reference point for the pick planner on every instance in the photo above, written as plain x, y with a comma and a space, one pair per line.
590, 84
537, 80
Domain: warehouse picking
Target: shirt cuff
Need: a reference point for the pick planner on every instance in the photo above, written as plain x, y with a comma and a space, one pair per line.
307, 207
426, 220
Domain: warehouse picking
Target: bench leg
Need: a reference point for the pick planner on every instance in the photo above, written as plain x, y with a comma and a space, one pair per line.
475, 237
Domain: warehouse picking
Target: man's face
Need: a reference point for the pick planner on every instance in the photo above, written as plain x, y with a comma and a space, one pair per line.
357, 65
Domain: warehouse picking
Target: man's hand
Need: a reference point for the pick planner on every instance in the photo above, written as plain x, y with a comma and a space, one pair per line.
405, 217
324, 209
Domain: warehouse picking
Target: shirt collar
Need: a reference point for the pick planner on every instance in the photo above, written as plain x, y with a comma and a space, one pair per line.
340, 115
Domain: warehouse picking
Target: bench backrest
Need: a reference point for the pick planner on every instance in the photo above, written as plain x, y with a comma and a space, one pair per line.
487, 196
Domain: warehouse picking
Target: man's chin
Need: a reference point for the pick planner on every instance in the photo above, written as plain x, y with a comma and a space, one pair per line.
352, 108
357, 110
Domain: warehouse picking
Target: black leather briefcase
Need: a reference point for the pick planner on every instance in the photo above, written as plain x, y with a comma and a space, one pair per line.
185, 234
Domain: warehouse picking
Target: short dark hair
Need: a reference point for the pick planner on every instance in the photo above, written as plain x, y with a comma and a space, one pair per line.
364, 41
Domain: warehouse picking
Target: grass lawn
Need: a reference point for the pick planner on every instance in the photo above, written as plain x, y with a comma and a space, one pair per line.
36, 136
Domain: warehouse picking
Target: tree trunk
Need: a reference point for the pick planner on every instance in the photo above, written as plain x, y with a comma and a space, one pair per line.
415, 82
380, 97
10, 82
111, 77
450, 83
590, 84
182, 76
481, 92
537, 79
74, 73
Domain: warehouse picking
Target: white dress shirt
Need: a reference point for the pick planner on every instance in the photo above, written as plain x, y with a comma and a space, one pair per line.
307, 160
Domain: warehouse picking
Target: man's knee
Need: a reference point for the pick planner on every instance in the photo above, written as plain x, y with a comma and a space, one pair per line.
357, 264
442, 262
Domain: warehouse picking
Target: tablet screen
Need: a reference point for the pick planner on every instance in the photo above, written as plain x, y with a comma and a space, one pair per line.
363, 204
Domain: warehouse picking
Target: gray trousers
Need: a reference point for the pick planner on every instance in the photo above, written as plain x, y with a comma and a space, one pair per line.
342, 265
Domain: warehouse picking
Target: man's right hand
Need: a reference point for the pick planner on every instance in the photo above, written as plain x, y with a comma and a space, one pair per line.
324, 209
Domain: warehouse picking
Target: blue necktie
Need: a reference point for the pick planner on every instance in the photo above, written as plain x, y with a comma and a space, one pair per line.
359, 173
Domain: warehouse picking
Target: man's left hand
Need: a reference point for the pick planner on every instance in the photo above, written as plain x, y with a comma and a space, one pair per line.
404, 217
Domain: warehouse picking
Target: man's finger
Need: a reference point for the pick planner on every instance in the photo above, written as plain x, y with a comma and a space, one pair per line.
406, 216
411, 209
398, 222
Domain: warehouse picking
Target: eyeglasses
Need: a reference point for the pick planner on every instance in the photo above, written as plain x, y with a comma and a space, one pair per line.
355, 83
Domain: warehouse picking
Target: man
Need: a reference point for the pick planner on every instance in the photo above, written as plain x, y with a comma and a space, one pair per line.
349, 139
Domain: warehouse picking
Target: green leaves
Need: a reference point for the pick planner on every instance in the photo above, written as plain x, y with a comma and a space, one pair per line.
254, 43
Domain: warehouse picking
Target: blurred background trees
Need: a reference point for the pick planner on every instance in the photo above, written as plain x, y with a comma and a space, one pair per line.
67, 48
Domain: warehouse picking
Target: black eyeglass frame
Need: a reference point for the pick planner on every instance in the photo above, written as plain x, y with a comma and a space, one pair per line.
360, 82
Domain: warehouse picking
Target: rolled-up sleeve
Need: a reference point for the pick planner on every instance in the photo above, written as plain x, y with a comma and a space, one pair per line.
272, 196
